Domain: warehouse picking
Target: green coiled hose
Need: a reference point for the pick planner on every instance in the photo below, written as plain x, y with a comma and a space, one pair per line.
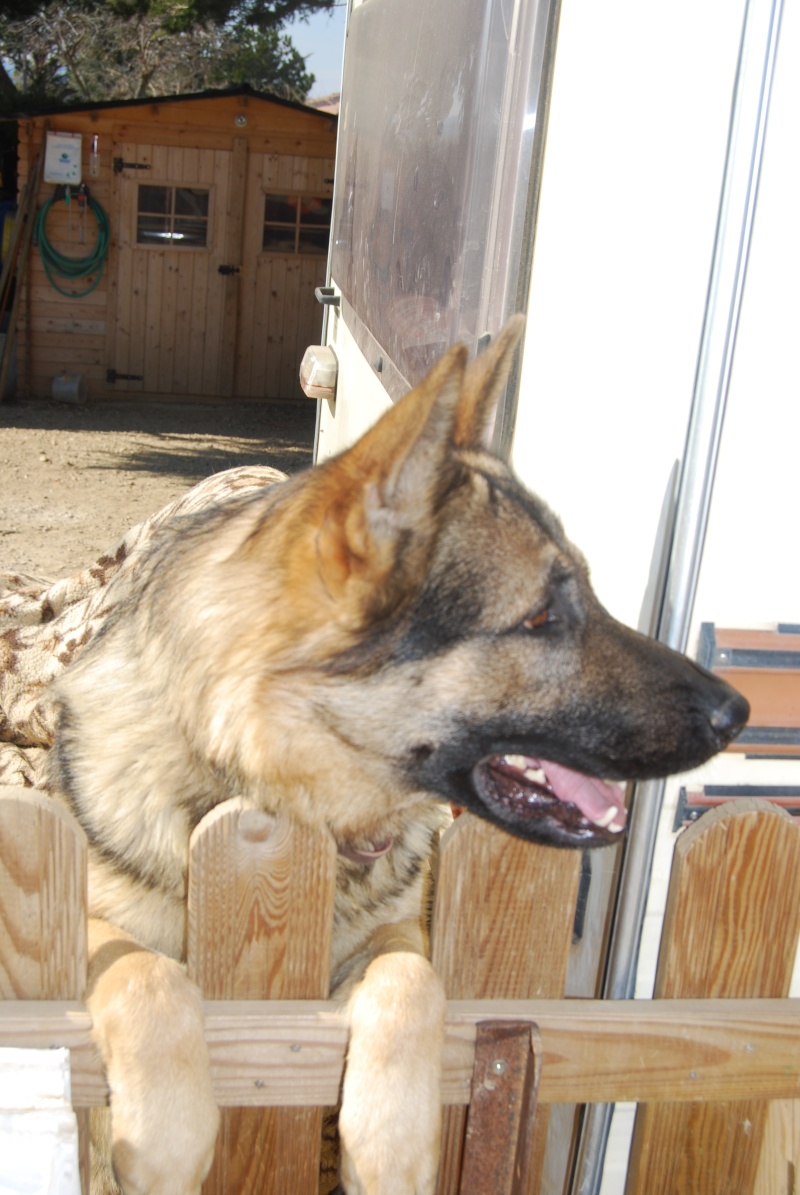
72, 269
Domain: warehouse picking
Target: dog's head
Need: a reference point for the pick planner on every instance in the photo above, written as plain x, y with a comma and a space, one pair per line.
447, 639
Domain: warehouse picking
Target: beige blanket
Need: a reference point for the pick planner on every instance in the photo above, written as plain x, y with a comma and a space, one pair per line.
45, 624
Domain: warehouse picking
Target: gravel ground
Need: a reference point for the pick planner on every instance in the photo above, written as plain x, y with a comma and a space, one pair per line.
75, 478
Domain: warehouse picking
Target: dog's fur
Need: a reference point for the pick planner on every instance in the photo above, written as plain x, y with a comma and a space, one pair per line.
400, 628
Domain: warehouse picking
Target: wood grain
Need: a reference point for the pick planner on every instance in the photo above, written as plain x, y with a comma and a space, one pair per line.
42, 899
268, 1053
261, 896
43, 903
502, 926
253, 933
779, 1163
731, 929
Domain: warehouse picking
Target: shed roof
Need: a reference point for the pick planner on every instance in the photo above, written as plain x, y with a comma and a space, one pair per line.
241, 89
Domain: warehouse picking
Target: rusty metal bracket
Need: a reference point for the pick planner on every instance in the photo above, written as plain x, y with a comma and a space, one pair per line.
505, 1082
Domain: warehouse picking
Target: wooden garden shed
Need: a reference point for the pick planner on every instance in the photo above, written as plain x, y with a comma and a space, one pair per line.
218, 218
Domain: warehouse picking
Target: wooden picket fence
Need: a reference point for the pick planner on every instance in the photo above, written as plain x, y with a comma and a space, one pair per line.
713, 1061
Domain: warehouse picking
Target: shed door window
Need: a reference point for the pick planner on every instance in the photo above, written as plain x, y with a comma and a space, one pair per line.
297, 224
174, 216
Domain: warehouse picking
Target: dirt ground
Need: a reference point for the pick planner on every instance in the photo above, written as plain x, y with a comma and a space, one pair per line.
75, 478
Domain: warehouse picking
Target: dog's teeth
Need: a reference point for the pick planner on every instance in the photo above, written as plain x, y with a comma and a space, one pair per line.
605, 818
536, 775
609, 821
517, 761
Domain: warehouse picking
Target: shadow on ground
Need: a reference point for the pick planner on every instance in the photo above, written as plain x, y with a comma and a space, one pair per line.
201, 461
188, 441
245, 419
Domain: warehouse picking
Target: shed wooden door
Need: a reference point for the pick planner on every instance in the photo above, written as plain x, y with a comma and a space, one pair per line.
284, 257
219, 253
179, 232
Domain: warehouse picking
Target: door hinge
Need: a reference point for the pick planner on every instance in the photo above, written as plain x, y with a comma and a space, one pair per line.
229, 269
120, 165
113, 376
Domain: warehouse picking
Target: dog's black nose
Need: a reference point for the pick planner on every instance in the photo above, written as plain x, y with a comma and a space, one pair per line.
730, 716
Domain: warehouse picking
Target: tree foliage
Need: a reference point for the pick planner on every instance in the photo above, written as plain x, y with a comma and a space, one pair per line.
84, 50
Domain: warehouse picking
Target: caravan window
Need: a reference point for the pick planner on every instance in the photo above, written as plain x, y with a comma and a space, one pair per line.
437, 170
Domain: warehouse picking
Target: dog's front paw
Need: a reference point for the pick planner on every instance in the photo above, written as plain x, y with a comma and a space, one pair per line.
148, 1022
390, 1122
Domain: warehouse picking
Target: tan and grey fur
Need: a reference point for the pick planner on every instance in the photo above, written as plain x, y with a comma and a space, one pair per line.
348, 648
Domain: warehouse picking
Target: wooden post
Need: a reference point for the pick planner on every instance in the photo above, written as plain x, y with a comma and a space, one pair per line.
43, 899
22, 261
261, 896
730, 930
502, 927
234, 227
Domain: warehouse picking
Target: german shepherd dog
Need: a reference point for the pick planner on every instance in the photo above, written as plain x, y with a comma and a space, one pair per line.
401, 628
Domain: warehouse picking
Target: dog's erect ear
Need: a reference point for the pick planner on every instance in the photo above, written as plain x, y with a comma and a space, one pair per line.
483, 385
388, 484
406, 451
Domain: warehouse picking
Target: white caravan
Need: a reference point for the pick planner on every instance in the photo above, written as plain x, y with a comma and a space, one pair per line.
597, 166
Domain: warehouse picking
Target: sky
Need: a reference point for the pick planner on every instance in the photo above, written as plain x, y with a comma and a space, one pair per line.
321, 38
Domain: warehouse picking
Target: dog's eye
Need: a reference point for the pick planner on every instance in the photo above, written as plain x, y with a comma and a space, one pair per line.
543, 618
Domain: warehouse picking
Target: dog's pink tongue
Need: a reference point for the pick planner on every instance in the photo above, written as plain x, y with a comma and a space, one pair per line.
599, 802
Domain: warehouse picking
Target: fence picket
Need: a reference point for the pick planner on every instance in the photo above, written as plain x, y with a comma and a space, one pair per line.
43, 901
502, 927
731, 930
260, 921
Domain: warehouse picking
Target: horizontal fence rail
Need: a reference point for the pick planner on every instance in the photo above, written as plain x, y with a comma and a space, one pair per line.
291, 1053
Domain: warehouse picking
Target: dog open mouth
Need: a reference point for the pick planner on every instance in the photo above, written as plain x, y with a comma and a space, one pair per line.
545, 800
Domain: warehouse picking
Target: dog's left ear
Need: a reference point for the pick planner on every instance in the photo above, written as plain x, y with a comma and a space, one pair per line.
386, 488
483, 385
